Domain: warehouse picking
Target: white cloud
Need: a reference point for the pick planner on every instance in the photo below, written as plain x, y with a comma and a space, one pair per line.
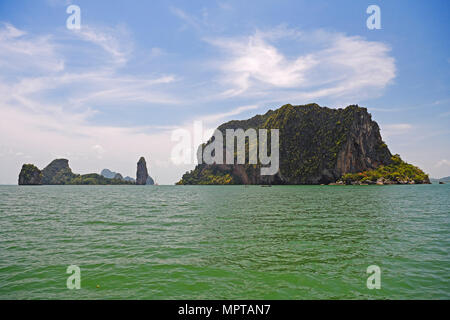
326, 65
215, 118
47, 136
110, 89
398, 126
10, 32
99, 150
46, 96
39, 127
389, 130
20, 52
254, 60
443, 163
224, 5
186, 18
112, 41
156, 52
59, 3
40, 61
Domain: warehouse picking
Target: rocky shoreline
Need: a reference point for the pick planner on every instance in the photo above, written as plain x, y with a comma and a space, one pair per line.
379, 182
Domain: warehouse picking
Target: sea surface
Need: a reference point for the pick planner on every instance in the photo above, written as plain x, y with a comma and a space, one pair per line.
225, 242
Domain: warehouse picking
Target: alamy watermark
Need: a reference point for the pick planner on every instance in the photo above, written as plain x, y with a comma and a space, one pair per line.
374, 20
235, 147
74, 280
374, 280
73, 22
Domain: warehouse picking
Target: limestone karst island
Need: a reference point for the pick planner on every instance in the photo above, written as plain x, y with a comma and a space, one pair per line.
58, 172
318, 145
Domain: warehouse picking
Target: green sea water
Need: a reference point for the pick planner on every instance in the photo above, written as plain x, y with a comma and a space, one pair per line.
225, 242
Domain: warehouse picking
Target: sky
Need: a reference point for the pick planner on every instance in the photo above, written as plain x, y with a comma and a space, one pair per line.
118, 87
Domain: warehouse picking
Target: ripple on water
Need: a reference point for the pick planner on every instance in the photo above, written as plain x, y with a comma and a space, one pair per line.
224, 242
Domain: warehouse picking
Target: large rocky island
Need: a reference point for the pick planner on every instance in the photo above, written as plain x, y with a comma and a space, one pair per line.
318, 145
58, 172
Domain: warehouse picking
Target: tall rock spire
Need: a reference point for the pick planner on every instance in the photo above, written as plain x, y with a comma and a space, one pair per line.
141, 173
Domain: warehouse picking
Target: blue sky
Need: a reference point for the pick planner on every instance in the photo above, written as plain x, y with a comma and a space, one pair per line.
116, 89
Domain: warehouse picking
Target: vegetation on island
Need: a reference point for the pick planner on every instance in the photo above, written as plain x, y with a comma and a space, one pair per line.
30, 175
317, 146
96, 179
207, 177
62, 176
398, 172
28, 170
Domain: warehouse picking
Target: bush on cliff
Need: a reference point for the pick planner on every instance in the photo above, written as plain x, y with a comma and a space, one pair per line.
397, 172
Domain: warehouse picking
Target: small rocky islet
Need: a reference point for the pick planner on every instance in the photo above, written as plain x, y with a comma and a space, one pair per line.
58, 172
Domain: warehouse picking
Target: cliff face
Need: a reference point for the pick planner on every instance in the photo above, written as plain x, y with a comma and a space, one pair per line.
115, 175
141, 173
108, 173
142, 176
30, 175
57, 172
317, 145
149, 181
364, 148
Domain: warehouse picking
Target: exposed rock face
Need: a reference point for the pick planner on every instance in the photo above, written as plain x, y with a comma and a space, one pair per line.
129, 179
57, 172
30, 175
141, 173
149, 181
108, 173
317, 146
116, 175
364, 148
